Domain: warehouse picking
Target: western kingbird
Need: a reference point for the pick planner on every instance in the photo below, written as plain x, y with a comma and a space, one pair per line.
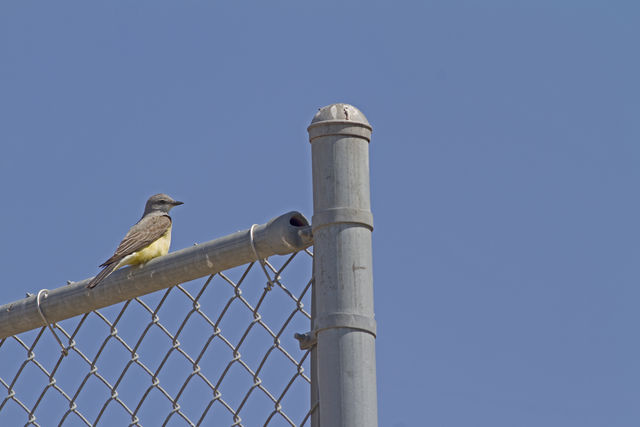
148, 238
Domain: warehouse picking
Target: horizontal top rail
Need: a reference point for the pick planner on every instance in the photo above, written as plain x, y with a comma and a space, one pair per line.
283, 235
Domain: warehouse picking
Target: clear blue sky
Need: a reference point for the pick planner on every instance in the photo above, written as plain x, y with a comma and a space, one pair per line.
504, 170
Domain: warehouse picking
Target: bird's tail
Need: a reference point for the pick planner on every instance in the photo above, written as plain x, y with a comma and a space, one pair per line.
104, 273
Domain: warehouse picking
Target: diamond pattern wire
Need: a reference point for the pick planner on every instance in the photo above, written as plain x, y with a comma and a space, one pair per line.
220, 352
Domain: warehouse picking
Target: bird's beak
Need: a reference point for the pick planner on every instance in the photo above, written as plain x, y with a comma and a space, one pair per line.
176, 203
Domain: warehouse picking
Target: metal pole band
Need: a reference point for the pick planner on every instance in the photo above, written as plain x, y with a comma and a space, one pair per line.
345, 320
339, 127
342, 215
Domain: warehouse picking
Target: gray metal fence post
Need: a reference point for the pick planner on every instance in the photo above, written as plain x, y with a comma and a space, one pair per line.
343, 283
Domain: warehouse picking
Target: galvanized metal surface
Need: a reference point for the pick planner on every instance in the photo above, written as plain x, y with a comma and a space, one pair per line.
343, 282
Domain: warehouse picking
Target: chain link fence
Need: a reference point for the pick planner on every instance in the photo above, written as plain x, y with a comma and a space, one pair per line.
213, 351
156, 345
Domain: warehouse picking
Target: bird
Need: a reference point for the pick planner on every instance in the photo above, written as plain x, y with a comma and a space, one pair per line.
149, 238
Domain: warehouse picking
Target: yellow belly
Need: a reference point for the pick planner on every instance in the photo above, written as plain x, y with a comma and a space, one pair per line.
158, 248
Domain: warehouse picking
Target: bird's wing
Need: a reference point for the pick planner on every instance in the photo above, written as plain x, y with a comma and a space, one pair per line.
146, 231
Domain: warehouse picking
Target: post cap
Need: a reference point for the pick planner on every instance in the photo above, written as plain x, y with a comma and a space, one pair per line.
339, 111
339, 119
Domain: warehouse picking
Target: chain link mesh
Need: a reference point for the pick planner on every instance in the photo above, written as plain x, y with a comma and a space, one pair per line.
218, 352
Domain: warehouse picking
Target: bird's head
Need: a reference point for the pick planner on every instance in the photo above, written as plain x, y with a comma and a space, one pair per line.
160, 203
